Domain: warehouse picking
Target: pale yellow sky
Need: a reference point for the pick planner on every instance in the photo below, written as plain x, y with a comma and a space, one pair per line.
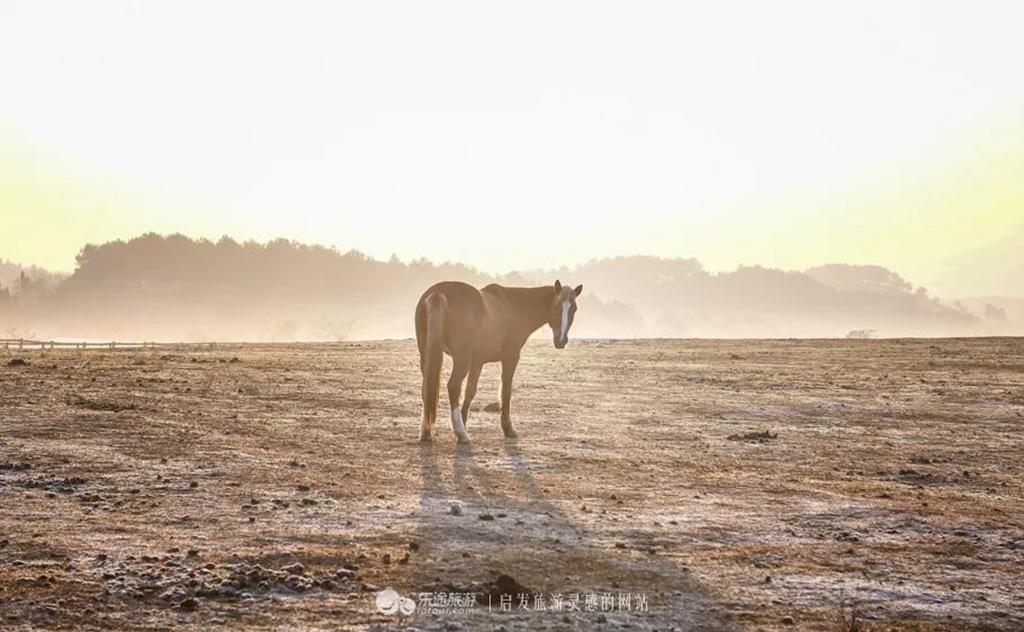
525, 134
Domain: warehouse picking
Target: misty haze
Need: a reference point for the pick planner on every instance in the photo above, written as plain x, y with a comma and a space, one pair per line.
155, 288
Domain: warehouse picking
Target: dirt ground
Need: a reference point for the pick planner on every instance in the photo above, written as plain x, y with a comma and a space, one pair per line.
833, 485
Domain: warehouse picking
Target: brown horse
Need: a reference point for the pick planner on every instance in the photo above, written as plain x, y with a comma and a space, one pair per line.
475, 327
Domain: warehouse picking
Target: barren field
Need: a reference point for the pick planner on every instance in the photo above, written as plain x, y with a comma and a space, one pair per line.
833, 485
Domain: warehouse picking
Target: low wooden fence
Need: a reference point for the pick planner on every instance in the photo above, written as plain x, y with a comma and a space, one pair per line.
25, 343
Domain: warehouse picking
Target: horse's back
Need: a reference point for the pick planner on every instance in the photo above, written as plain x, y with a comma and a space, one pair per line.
461, 298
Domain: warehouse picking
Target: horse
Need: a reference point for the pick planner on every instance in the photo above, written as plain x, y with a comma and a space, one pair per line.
476, 327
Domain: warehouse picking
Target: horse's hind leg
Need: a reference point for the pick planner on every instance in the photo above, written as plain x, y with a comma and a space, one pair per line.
471, 382
460, 366
508, 370
430, 367
429, 411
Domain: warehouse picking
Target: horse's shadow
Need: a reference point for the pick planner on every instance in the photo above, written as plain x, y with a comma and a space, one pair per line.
505, 522
477, 488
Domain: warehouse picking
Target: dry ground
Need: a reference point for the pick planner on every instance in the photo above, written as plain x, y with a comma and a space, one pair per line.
732, 484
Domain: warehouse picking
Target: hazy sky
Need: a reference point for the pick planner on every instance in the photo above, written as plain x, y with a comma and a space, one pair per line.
525, 134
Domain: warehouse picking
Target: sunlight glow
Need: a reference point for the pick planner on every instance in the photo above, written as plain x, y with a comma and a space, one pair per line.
526, 134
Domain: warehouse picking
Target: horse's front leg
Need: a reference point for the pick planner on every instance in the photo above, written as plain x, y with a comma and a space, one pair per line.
508, 369
460, 366
474, 377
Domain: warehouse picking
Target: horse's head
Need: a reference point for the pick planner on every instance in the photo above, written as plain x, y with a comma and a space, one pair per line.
562, 311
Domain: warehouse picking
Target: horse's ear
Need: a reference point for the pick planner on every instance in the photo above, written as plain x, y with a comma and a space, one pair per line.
558, 285
578, 289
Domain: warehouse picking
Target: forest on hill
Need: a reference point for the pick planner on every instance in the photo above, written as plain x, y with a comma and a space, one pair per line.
156, 287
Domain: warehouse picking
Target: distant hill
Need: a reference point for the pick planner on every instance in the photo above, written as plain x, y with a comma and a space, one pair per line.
860, 278
999, 314
678, 297
156, 287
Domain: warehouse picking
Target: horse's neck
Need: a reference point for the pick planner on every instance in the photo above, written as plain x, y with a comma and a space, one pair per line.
531, 308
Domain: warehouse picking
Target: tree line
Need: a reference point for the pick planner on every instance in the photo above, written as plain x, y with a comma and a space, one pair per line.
175, 287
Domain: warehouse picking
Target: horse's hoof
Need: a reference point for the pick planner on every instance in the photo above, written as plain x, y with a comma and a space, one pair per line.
462, 438
425, 438
511, 434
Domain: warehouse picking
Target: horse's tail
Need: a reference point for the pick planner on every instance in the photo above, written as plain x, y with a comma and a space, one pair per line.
432, 354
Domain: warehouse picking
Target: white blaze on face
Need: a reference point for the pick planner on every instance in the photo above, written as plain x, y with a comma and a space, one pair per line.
565, 321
